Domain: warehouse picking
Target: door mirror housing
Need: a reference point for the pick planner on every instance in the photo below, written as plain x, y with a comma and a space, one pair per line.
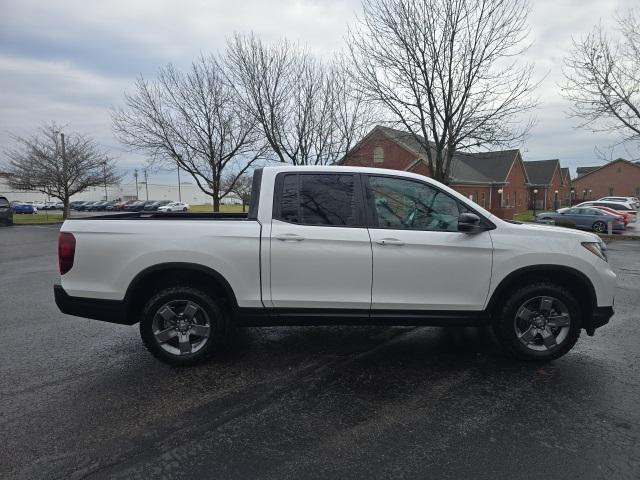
469, 223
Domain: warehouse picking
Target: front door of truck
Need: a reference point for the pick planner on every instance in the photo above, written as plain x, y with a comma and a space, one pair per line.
420, 259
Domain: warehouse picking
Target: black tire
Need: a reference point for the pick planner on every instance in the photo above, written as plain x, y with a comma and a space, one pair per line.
599, 227
505, 324
212, 310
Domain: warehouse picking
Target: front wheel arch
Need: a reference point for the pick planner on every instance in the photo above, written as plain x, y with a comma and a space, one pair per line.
571, 279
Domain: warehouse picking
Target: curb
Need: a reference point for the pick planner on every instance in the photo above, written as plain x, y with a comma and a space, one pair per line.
619, 237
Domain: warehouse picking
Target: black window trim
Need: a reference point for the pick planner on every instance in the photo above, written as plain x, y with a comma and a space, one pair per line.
276, 213
370, 208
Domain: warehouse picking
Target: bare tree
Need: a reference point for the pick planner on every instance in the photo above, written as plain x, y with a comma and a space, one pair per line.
602, 79
308, 112
447, 71
240, 186
194, 120
58, 165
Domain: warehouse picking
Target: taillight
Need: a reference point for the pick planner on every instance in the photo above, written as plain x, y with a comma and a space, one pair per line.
66, 251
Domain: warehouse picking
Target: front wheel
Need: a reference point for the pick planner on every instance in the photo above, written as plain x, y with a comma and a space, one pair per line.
183, 325
539, 322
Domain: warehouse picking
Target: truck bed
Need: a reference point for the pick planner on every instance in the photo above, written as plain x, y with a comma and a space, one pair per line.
168, 216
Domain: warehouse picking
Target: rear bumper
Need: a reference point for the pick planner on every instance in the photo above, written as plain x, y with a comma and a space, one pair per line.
113, 311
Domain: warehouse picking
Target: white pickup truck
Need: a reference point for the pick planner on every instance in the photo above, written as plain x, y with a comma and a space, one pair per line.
335, 245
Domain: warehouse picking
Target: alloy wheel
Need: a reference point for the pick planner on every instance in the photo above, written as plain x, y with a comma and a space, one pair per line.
181, 327
542, 323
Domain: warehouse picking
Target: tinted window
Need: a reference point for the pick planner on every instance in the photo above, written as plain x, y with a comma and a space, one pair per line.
322, 199
410, 205
4, 202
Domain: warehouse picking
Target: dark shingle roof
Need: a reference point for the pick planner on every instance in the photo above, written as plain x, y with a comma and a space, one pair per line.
583, 170
485, 167
540, 172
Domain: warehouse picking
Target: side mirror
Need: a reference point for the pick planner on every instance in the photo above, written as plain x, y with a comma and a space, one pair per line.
469, 223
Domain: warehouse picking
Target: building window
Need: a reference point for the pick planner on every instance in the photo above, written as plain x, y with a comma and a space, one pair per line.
506, 203
378, 155
515, 199
610, 191
484, 205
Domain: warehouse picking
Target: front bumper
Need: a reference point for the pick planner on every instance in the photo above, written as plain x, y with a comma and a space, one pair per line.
599, 316
113, 311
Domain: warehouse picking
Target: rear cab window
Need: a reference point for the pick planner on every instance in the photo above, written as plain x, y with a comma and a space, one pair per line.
324, 199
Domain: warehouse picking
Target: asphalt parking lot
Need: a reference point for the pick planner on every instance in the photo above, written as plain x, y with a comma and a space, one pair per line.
83, 399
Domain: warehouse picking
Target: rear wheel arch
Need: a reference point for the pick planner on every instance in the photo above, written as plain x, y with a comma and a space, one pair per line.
151, 279
571, 279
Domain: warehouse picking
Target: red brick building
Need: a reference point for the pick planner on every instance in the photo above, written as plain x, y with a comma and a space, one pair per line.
548, 179
496, 181
617, 178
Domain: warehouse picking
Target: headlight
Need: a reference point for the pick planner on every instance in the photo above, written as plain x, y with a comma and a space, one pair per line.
597, 248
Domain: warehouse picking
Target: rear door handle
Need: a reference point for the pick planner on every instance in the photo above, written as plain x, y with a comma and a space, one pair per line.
289, 237
390, 241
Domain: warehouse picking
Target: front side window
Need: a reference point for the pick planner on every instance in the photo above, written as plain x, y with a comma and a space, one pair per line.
318, 199
410, 205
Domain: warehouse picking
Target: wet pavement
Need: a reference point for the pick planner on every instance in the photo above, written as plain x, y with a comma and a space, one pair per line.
83, 399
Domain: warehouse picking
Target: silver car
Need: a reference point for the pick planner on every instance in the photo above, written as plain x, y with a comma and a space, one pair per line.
584, 218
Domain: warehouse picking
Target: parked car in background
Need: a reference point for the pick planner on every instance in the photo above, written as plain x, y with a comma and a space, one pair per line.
153, 206
86, 207
26, 208
175, 207
628, 218
632, 200
75, 204
119, 205
58, 206
6, 211
38, 205
620, 206
135, 206
584, 218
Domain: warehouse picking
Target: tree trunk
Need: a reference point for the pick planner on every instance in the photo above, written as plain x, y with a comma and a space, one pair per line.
65, 211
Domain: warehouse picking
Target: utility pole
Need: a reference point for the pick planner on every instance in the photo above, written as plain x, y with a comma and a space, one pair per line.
104, 174
146, 183
179, 191
135, 174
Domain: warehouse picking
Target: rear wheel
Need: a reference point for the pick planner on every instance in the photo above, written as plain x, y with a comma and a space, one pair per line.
599, 227
183, 325
540, 322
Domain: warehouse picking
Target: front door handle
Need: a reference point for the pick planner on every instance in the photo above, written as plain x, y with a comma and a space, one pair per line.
289, 237
390, 241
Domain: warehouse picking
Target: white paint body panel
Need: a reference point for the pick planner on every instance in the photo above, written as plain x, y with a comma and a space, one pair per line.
332, 267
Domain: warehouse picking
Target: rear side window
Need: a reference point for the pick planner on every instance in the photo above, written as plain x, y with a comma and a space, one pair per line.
318, 199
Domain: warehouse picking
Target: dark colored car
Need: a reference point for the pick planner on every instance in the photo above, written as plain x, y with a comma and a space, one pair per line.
99, 206
6, 211
76, 204
153, 206
584, 218
86, 206
135, 206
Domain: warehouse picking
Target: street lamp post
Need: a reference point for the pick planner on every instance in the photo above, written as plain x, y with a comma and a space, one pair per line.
104, 174
135, 174
179, 191
555, 200
590, 193
535, 192
584, 195
146, 183
500, 197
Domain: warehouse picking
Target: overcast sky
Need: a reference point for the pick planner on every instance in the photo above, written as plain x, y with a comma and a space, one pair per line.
71, 61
